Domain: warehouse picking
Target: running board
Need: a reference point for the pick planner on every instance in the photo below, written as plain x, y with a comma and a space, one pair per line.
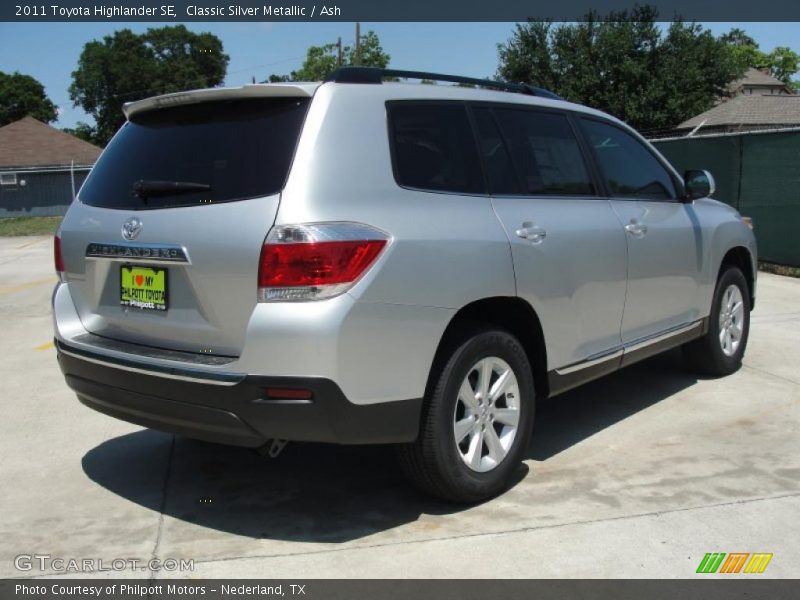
565, 378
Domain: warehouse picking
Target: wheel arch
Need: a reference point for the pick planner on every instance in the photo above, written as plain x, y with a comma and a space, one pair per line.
739, 256
509, 313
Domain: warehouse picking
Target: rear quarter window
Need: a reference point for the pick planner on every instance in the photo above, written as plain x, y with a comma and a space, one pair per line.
240, 148
433, 147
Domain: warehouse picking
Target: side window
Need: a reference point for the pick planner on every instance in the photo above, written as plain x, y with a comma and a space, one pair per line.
496, 161
8, 179
433, 147
630, 168
545, 152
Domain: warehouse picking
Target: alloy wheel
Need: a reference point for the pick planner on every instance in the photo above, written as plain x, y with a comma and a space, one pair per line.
731, 320
487, 414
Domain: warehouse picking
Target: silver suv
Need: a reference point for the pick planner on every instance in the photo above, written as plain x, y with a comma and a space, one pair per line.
361, 261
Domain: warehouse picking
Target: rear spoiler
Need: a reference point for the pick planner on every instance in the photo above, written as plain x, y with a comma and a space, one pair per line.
259, 90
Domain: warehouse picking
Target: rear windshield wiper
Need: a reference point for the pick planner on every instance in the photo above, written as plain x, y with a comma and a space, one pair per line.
145, 188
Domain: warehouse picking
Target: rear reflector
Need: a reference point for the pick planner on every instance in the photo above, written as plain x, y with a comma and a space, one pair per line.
314, 262
288, 394
58, 258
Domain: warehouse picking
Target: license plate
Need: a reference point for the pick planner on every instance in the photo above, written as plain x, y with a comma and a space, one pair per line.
144, 288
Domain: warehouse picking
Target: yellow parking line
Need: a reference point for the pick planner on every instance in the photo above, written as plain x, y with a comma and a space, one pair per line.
13, 289
45, 346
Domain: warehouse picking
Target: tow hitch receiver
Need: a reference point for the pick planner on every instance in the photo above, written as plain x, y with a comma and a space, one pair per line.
272, 448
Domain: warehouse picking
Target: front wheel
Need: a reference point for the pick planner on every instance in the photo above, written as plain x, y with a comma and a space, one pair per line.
720, 351
476, 421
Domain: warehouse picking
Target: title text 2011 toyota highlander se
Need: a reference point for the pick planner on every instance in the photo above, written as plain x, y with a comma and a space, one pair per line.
362, 261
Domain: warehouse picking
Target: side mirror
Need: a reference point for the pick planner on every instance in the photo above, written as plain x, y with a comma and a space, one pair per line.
698, 184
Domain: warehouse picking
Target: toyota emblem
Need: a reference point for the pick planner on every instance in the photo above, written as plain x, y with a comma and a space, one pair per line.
131, 228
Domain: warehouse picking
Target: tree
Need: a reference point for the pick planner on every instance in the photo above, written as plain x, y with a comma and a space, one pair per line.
526, 57
22, 96
697, 72
782, 63
321, 61
82, 131
744, 49
126, 66
737, 37
370, 53
624, 64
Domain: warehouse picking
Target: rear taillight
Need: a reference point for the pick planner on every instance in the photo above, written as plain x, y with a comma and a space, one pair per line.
316, 261
57, 257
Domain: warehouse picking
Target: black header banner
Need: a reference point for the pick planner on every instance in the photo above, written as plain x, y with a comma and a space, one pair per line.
380, 10
407, 589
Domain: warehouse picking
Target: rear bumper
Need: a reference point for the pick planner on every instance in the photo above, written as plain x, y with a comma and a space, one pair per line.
231, 408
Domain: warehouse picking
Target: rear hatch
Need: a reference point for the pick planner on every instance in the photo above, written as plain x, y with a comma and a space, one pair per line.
162, 248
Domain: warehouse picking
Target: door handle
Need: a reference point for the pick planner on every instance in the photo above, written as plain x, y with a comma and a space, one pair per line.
636, 228
532, 233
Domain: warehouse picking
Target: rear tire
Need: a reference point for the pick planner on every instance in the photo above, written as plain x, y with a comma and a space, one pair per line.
720, 351
476, 421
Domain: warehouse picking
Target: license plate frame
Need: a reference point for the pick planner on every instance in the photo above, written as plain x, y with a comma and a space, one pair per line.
140, 288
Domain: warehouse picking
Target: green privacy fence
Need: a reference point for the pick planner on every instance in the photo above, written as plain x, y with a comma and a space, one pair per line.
759, 174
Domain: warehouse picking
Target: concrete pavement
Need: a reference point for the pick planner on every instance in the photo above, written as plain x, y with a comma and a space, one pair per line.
635, 475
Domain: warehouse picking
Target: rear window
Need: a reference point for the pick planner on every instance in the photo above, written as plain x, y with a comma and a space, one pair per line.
546, 152
496, 161
233, 150
433, 147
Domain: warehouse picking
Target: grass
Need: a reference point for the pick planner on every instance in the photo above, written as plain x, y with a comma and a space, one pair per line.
785, 270
14, 226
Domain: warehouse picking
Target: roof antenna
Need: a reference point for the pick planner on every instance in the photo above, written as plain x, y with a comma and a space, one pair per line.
696, 129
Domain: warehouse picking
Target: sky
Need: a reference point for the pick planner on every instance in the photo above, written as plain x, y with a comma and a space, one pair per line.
49, 51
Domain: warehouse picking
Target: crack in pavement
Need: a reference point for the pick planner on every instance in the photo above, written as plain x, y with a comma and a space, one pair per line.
499, 533
162, 507
765, 372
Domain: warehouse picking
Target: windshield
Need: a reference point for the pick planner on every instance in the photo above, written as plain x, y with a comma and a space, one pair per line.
230, 150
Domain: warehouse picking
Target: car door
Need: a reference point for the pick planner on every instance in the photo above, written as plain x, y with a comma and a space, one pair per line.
568, 249
663, 234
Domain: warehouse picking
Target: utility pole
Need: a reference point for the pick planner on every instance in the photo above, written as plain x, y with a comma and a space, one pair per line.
339, 52
72, 176
358, 44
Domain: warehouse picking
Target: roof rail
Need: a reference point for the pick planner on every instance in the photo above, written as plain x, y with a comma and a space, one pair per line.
376, 75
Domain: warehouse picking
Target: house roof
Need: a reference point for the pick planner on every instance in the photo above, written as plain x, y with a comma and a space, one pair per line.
750, 109
31, 143
755, 77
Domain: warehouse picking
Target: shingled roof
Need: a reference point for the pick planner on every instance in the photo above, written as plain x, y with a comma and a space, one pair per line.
750, 110
31, 143
754, 77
